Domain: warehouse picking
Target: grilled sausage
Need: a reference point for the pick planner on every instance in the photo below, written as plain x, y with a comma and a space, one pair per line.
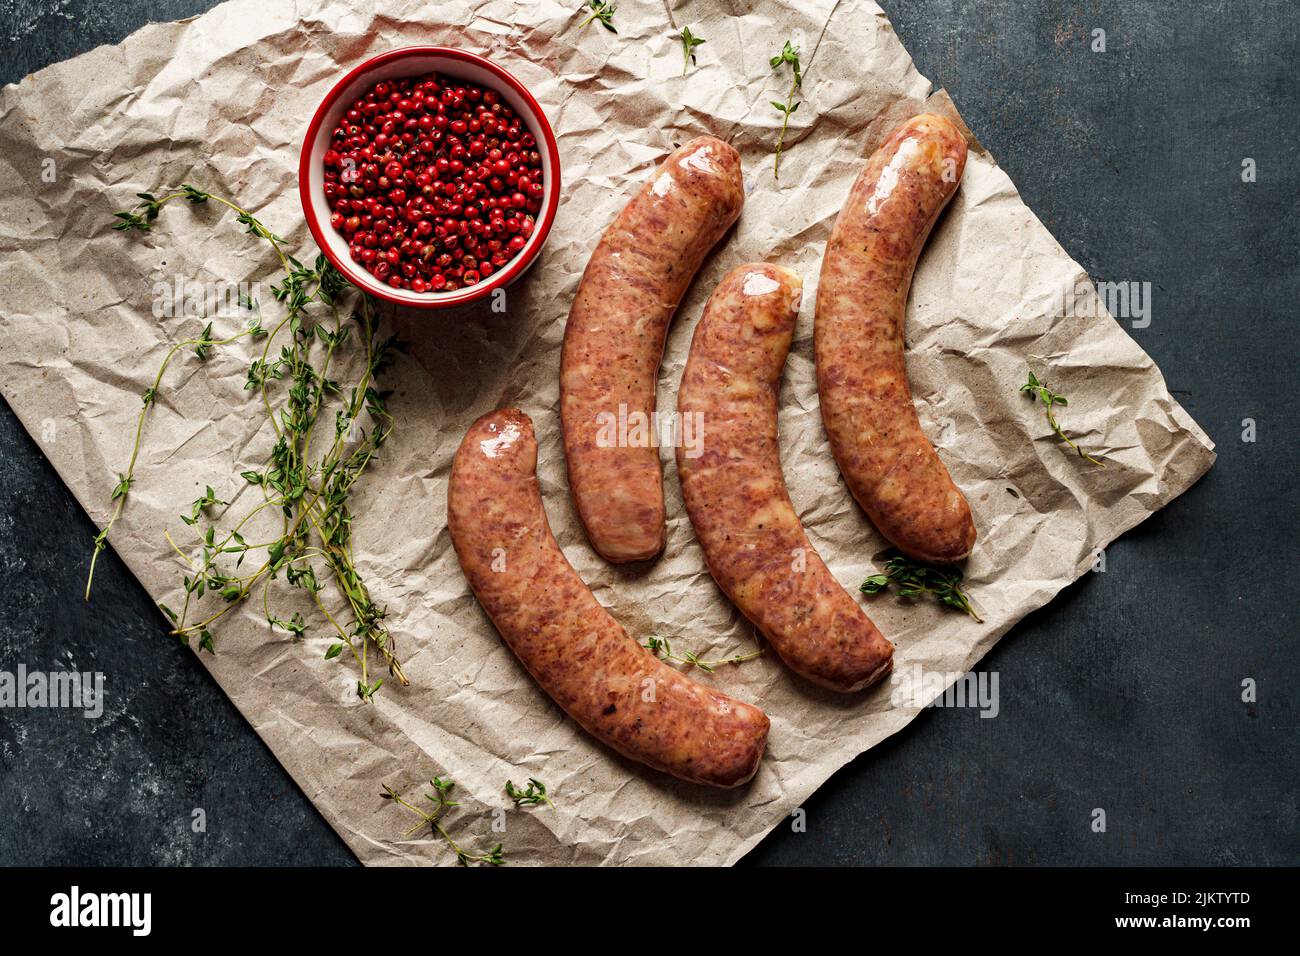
888, 463
735, 494
614, 688
614, 341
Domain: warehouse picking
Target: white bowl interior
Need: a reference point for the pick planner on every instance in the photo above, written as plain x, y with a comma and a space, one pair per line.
419, 64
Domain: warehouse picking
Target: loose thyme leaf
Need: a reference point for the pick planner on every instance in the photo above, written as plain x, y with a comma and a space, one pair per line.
914, 579
1049, 398
602, 11
689, 42
533, 795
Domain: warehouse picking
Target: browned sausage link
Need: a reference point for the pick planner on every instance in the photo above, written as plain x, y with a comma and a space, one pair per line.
618, 691
614, 341
888, 463
736, 496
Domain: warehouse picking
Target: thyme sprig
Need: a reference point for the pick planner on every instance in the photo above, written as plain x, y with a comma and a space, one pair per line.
150, 205
533, 795
689, 42
788, 54
914, 579
662, 649
602, 13
1050, 398
433, 818
306, 494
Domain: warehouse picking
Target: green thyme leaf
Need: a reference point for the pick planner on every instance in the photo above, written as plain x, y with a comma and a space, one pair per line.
603, 13
914, 579
533, 795
689, 42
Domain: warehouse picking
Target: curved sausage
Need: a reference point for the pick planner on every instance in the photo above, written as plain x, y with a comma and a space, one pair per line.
614, 341
753, 542
619, 692
888, 463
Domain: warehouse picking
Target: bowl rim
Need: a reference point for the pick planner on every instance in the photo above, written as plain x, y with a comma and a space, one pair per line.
364, 280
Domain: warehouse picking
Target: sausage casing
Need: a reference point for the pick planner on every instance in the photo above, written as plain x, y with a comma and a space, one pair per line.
614, 341
614, 688
889, 465
753, 542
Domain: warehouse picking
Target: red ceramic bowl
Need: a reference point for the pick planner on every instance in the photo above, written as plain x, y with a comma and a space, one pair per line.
419, 61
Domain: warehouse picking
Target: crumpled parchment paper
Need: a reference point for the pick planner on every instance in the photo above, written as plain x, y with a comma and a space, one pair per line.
223, 100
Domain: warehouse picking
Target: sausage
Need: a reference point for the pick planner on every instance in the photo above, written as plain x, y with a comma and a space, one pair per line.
615, 689
735, 494
889, 465
614, 341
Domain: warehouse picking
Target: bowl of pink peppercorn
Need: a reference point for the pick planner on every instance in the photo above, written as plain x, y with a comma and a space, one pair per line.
429, 177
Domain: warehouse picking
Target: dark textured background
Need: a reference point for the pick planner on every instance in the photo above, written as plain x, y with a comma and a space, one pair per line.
1123, 694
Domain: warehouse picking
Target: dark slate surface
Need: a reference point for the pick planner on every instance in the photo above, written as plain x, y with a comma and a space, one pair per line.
1124, 694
